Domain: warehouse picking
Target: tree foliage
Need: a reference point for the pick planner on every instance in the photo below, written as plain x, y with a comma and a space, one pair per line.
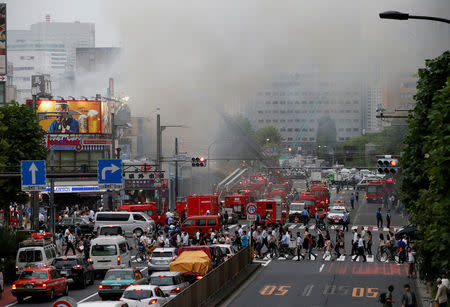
20, 139
425, 188
326, 132
268, 136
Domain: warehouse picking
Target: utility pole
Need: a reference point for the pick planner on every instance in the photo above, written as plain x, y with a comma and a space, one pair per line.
35, 195
52, 192
176, 170
158, 142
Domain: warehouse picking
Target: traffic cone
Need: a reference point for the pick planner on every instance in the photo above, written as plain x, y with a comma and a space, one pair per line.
296, 220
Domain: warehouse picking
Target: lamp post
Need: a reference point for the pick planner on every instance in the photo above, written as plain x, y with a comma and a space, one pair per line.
405, 16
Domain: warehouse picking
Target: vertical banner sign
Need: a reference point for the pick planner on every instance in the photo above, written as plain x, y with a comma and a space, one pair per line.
3, 53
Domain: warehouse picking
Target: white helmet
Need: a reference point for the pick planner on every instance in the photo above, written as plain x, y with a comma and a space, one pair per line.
172, 226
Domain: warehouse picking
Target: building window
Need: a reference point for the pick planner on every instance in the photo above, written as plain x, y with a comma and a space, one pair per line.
282, 111
348, 129
341, 139
341, 129
260, 112
297, 129
297, 111
282, 102
348, 111
297, 102
282, 129
282, 120
275, 102
304, 102
357, 129
275, 120
267, 102
268, 121
275, 111
311, 139
289, 129
297, 120
289, 139
290, 120
267, 111
260, 120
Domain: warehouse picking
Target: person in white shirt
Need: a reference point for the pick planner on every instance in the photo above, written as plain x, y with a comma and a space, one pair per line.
144, 239
445, 282
240, 230
185, 238
167, 242
360, 249
197, 236
91, 215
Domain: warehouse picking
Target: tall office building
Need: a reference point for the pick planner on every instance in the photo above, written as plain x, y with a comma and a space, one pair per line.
47, 48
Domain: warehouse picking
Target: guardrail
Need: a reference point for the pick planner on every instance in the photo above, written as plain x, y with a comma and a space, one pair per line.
198, 293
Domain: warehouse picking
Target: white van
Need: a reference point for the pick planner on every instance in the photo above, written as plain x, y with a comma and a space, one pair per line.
35, 253
128, 221
109, 252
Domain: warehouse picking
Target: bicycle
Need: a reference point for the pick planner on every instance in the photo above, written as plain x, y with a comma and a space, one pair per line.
385, 253
141, 254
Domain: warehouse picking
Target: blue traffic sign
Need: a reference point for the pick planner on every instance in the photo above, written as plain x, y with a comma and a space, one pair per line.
110, 173
33, 175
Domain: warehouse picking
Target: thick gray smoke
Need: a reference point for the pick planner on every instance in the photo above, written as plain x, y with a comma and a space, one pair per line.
186, 56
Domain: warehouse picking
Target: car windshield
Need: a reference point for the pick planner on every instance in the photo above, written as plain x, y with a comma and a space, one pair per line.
33, 274
137, 294
104, 250
110, 231
59, 263
30, 256
161, 254
119, 275
297, 207
337, 211
161, 280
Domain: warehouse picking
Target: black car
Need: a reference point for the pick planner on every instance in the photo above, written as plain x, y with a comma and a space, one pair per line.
86, 227
409, 230
76, 268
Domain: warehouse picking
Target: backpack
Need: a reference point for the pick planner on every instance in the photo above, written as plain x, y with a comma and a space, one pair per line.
382, 298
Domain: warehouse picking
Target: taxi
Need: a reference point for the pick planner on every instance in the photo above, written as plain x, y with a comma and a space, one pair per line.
40, 282
117, 280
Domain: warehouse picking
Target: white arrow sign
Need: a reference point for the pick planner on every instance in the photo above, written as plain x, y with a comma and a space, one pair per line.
113, 168
33, 169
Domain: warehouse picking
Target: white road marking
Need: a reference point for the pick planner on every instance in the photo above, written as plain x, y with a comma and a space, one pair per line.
321, 267
12, 304
366, 228
308, 290
354, 227
370, 258
375, 229
143, 269
267, 263
292, 226
302, 227
312, 227
342, 258
86, 298
385, 229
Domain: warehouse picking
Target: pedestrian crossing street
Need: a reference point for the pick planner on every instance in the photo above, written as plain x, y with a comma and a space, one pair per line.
266, 260
372, 228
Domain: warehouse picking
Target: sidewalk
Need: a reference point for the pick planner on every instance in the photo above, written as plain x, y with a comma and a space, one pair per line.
7, 297
423, 293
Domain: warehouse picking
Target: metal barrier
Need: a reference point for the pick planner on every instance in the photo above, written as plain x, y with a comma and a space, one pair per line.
196, 294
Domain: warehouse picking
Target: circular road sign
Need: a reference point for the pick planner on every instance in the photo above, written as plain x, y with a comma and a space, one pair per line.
251, 209
157, 180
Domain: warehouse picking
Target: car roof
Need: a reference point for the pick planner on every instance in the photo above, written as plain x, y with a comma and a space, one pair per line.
101, 304
121, 270
74, 257
167, 273
221, 245
164, 249
143, 287
108, 239
338, 208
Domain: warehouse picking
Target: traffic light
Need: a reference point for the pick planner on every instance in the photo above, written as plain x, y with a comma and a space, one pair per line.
387, 166
198, 162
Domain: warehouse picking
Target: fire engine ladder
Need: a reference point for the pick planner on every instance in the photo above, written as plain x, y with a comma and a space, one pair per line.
223, 182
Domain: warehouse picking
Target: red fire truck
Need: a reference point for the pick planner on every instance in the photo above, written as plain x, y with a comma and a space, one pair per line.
374, 191
321, 193
237, 203
198, 205
271, 211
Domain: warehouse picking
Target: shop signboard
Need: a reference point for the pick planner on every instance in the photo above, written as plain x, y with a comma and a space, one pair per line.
74, 116
75, 142
2, 38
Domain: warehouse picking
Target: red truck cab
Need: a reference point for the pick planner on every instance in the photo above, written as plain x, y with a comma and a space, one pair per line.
237, 204
321, 193
310, 201
374, 191
148, 208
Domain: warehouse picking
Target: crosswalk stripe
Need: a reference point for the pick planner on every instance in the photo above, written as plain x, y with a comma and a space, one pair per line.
312, 227
370, 258
366, 228
375, 229
341, 258
292, 226
385, 229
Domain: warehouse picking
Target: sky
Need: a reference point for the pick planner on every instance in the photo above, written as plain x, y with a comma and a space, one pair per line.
186, 56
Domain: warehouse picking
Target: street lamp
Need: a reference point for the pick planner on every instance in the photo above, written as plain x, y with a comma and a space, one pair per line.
405, 16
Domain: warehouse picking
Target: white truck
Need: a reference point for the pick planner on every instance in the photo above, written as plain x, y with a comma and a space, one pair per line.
316, 177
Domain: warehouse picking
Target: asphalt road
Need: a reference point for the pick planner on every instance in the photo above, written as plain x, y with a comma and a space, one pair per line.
326, 282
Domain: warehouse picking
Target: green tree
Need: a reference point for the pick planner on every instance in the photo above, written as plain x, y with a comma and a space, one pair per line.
425, 189
246, 126
20, 139
268, 136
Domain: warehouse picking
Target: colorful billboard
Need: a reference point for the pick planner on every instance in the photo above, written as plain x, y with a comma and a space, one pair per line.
75, 116
2, 38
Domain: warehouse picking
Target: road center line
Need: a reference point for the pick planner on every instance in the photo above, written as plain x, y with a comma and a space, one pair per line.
86, 298
321, 267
